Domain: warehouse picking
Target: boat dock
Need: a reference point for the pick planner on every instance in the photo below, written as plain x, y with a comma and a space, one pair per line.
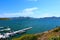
7, 35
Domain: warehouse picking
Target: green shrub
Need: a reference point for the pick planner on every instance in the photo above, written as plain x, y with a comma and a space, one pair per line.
55, 38
27, 37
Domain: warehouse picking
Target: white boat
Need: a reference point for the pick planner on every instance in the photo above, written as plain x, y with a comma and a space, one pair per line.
7, 29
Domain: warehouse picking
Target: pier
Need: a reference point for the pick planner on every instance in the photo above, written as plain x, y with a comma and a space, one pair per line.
7, 35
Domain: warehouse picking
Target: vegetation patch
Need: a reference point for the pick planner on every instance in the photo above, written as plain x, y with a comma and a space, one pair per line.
27, 37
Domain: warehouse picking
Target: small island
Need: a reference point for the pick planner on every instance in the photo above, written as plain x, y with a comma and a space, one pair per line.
4, 18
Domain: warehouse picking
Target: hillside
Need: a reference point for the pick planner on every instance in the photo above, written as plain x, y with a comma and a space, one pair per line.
53, 34
50, 35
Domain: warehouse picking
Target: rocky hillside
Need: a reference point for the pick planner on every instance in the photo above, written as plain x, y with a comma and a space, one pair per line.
49, 35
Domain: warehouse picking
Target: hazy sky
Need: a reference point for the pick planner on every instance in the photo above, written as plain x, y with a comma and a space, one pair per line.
29, 8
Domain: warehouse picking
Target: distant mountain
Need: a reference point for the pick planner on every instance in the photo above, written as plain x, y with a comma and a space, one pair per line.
23, 18
35, 18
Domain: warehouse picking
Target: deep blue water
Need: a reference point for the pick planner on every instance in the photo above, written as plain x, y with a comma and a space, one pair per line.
38, 25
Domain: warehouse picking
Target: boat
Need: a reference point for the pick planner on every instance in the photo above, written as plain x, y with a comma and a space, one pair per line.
7, 29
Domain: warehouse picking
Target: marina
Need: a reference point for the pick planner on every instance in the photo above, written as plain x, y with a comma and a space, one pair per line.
9, 34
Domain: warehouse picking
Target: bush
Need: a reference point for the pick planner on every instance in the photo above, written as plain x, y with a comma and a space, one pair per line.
27, 37
55, 38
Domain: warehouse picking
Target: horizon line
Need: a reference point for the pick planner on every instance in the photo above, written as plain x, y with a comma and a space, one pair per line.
27, 16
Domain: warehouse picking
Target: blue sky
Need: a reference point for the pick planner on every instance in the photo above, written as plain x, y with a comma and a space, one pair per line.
29, 8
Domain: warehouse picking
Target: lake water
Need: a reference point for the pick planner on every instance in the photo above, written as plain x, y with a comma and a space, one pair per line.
39, 25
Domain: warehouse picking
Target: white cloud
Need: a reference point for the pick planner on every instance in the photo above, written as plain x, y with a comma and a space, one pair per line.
26, 12
30, 12
48, 15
